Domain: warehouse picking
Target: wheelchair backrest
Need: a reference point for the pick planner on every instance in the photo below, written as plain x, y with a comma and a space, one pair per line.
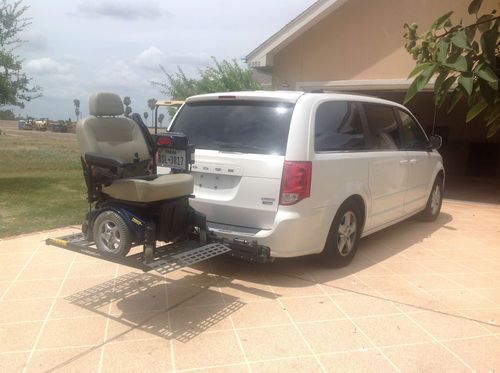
106, 132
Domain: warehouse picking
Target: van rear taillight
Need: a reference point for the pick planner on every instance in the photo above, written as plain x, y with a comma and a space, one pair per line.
296, 182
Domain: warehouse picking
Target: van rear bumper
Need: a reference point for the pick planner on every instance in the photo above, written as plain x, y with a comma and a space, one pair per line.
293, 234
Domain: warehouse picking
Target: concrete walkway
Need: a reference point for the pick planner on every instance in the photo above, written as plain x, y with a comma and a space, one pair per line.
417, 297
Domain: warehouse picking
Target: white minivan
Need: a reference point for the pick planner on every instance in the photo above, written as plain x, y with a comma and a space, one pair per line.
307, 173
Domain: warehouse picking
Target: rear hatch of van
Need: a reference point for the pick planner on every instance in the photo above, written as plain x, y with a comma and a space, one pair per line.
240, 146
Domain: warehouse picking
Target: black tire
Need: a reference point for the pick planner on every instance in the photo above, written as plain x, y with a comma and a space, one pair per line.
434, 202
111, 234
337, 251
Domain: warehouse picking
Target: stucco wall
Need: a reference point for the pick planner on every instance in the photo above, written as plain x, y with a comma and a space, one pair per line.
363, 39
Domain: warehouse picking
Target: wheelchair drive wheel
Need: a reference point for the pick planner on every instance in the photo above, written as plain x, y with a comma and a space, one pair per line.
111, 234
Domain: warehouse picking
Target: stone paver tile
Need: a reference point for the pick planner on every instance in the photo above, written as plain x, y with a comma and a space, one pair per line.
302, 364
232, 368
447, 326
92, 268
135, 326
405, 267
208, 349
388, 283
76, 360
431, 282
482, 265
413, 301
73, 332
14, 259
23, 244
445, 265
18, 337
428, 357
4, 285
482, 354
195, 320
51, 255
89, 287
333, 336
359, 305
141, 300
9, 273
146, 356
259, 314
24, 310
315, 308
13, 362
44, 272
392, 330
272, 342
287, 286
488, 318
33, 289
246, 291
346, 284
459, 299
472, 280
64, 308
357, 361
189, 296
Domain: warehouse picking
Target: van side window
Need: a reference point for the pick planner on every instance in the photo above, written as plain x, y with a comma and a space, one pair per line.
413, 136
338, 127
383, 127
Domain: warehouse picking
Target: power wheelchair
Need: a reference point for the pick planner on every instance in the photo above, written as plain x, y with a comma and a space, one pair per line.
131, 205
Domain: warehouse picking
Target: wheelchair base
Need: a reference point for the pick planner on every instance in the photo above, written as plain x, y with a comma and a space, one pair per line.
169, 257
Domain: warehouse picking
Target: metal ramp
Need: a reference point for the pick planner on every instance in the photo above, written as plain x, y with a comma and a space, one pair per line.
168, 258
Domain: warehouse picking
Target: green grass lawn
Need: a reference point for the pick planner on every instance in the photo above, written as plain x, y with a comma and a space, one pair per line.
41, 185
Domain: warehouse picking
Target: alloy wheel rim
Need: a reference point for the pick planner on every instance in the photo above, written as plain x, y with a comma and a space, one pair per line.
346, 235
435, 199
109, 235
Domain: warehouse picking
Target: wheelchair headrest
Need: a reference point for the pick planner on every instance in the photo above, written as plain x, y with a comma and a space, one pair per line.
105, 104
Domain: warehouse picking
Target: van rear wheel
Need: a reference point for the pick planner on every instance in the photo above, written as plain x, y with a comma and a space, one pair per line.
345, 232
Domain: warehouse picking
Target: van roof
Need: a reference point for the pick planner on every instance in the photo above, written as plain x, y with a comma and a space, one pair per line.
288, 96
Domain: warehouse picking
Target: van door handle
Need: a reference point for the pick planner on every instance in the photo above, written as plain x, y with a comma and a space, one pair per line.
403, 161
413, 161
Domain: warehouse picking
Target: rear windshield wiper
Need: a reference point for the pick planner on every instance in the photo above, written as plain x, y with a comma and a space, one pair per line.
241, 146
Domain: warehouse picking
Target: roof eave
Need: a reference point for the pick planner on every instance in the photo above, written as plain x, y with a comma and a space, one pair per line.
263, 55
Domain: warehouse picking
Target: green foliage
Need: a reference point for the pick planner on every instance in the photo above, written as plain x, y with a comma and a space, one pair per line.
7, 115
76, 102
221, 76
466, 60
15, 86
161, 117
127, 101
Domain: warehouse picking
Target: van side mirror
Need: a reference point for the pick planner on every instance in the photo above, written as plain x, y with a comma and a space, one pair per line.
435, 142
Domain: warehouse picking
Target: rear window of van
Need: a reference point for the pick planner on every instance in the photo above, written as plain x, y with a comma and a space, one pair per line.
243, 126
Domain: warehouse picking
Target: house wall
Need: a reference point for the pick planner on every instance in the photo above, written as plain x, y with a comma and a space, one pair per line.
363, 39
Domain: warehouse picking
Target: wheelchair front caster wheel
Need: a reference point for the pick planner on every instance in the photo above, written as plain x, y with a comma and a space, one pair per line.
148, 254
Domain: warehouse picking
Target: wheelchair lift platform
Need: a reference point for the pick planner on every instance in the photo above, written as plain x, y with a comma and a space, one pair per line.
169, 257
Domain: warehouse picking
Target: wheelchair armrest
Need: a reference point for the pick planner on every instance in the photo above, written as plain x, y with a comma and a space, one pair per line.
99, 160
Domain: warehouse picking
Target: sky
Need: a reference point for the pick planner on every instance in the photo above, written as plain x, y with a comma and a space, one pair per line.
77, 47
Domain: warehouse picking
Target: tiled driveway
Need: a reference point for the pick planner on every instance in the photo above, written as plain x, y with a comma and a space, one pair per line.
418, 297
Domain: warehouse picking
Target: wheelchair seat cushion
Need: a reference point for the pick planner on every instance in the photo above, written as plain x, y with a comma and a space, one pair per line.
143, 190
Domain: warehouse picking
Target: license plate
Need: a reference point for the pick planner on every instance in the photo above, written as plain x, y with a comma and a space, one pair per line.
172, 158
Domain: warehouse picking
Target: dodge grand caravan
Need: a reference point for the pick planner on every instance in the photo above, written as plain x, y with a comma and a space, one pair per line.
307, 173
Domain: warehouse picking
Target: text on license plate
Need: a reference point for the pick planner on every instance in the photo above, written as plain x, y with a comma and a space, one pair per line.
172, 158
